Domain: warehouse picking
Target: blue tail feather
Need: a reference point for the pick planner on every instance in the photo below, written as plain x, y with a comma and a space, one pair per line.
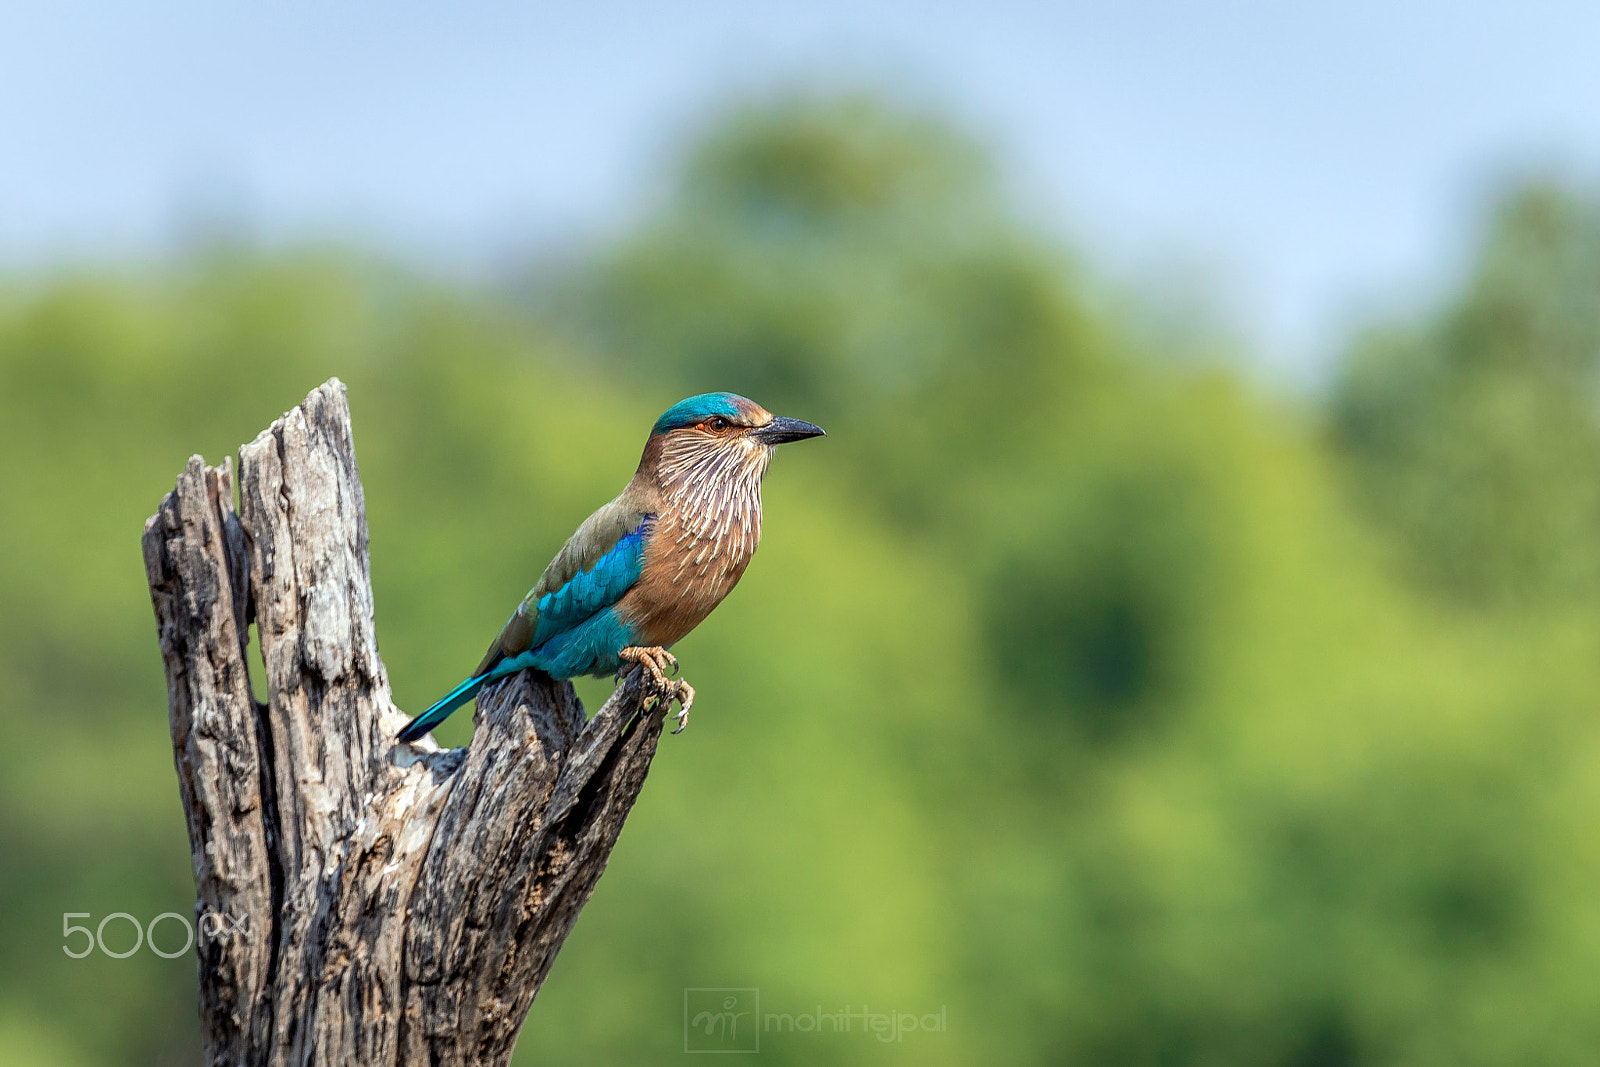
447, 704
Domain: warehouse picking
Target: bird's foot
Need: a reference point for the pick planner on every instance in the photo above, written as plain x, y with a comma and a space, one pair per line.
683, 693
656, 661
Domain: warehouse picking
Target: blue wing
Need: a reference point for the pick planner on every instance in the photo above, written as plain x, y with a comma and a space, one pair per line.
592, 591
577, 632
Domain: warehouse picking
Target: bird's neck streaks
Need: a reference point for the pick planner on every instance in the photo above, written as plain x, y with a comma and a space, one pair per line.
713, 489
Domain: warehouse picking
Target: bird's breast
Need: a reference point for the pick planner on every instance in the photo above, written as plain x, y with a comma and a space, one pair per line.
696, 556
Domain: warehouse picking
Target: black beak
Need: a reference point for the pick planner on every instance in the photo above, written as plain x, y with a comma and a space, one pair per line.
781, 430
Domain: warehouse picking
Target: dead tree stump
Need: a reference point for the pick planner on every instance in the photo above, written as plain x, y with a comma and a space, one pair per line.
399, 904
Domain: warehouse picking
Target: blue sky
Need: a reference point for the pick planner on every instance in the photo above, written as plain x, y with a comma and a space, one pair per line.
1302, 163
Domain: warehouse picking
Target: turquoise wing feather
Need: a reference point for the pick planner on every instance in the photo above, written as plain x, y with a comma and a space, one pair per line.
590, 591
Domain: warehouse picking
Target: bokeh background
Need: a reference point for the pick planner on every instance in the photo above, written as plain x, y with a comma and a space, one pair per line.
1184, 649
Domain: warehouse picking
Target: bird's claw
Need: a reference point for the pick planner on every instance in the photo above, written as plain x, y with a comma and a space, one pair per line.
657, 661
683, 693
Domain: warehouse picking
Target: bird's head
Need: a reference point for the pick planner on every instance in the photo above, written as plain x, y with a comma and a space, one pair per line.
720, 434
727, 419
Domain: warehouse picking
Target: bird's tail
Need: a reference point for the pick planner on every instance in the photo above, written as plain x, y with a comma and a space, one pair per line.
441, 711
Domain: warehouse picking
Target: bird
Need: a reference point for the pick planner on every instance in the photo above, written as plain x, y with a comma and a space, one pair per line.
648, 567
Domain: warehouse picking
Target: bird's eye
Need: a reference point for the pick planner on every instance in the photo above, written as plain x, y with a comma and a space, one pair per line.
717, 425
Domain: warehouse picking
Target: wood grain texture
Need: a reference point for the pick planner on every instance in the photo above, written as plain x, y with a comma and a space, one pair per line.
400, 904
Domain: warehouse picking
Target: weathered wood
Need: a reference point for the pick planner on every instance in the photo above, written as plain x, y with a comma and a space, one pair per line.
371, 902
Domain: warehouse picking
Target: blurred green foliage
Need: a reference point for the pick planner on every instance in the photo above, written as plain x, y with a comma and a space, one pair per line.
1126, 712
1475, 435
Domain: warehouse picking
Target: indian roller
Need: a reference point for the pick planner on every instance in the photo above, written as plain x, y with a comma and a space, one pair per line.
646, 568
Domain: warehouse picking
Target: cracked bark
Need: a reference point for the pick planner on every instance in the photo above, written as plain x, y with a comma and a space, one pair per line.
360, 901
